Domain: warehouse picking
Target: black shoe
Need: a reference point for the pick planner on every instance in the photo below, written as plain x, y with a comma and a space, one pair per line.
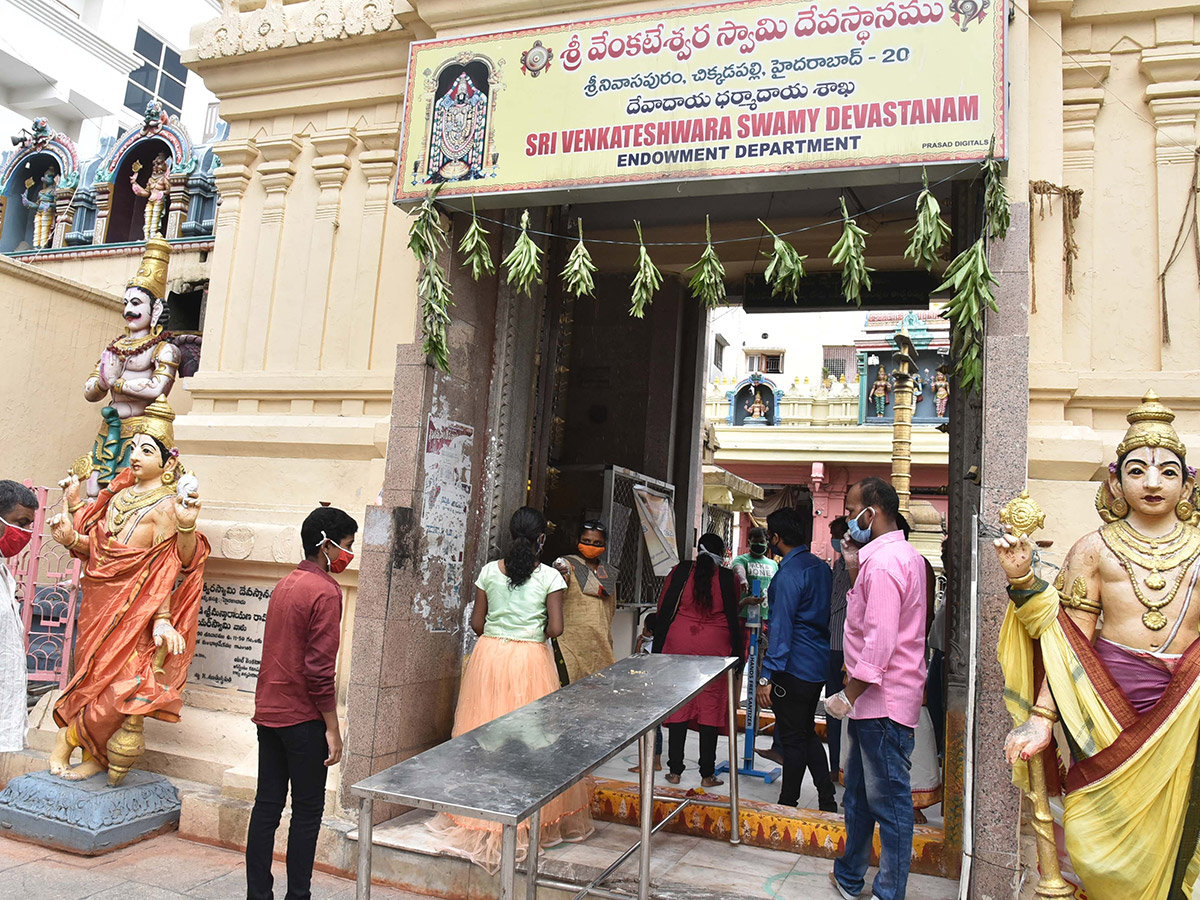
770, 753
829, 805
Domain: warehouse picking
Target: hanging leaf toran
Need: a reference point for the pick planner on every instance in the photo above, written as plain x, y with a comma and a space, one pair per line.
426, 239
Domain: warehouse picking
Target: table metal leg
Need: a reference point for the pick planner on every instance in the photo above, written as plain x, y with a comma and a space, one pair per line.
735, 831
366, 824
646, 801
508, 863
531, 858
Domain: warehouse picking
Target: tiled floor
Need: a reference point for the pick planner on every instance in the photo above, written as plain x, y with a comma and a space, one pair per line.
733, 872
750, 787
165, 868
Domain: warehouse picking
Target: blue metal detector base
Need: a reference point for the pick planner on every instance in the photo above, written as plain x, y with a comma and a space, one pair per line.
767, 777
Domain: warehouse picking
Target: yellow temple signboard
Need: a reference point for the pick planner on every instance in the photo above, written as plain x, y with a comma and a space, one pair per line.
743, 89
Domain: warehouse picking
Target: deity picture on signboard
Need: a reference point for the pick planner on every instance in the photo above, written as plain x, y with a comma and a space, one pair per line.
461, 131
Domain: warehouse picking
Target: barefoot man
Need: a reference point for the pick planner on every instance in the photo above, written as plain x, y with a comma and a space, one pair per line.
1127, 695
137, 627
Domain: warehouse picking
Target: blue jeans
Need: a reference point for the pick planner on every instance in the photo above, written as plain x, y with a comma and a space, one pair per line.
878, 789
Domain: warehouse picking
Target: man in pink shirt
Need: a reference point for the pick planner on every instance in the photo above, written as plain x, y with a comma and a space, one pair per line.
885, 666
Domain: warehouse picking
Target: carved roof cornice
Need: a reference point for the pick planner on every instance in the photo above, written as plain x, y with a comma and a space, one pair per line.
276, 26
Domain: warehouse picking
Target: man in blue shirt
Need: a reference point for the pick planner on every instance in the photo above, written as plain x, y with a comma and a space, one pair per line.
797, 660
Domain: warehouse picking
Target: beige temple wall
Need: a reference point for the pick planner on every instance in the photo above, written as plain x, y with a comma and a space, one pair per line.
1096, 351
309, 294
55, 328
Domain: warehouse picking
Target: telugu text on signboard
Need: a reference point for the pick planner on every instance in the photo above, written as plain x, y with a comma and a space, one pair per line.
229, 635
749, 88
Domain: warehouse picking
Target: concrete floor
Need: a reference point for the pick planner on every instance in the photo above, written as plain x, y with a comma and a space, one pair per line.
164, 868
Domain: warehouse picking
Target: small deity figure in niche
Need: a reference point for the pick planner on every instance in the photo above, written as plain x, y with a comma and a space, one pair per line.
880, 391
44, 206
157, 193
941, 392
756, 408
459, 130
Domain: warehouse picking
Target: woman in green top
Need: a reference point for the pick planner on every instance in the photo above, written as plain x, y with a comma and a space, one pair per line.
518, 607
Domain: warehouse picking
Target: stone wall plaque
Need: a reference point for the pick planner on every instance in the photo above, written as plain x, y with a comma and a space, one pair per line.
230, 635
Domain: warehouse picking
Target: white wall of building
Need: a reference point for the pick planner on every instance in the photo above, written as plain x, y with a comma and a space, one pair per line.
70, 60
801, 337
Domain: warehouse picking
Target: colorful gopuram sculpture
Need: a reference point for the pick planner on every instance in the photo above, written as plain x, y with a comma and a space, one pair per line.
44, 207
135, 369
143, 575
941, 392
880, 391
157, 193
1127, 695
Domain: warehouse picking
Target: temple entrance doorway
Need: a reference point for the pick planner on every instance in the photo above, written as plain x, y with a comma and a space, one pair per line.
615, 393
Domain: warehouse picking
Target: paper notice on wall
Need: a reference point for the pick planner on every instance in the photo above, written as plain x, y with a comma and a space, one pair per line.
447, 499
658, 528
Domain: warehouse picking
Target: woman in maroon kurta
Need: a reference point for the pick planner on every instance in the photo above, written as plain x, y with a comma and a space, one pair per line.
698, 616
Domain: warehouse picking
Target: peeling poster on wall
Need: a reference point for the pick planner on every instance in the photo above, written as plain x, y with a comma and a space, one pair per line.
447, 500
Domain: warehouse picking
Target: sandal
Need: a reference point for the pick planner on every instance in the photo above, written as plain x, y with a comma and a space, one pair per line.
672, 778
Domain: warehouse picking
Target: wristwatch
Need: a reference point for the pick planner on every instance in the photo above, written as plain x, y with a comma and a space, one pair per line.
764, 681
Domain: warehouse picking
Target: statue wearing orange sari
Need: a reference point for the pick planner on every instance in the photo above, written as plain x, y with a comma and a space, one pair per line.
142, 580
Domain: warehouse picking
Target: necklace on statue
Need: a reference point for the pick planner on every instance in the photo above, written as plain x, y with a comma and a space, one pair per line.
128, 502
125, 346
1176, 551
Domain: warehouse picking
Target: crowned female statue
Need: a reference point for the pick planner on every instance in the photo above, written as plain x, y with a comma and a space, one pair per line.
1116, 637
142, 579
134, 370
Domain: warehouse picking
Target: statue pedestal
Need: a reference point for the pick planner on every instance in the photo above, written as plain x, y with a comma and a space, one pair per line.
754, 422
88, 817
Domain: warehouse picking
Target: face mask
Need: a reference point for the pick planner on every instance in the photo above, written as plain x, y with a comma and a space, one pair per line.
858, 534
758, 549
338, 563
14, 540
836, 543
587, 551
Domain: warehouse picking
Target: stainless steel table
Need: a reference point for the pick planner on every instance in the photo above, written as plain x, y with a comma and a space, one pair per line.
507, 770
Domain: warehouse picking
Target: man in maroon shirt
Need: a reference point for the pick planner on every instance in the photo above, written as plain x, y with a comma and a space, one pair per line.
295, 705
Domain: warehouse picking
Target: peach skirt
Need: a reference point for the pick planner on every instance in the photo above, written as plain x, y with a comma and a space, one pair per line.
502, 676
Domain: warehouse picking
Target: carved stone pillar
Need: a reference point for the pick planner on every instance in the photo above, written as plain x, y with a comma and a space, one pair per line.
1082, 99
180, 198
103, 202
64, 215
275, 175
1174, 100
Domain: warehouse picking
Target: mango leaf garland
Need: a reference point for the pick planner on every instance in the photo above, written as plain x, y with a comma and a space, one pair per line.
426, 239
433, 287
786, 268
708, 282
995, 201
849, 254
475, 249
646, 280
577, 275
971, 278
524, 262
930, 233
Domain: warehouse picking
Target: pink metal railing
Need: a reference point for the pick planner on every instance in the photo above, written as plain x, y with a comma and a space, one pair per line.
48, 591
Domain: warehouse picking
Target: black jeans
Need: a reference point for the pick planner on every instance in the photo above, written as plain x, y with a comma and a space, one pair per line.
835, 681
677, 737
795, 704
296, 755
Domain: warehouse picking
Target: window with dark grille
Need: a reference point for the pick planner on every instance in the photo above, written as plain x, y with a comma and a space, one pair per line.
161, 76
839, 361
772, 363
719, 346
